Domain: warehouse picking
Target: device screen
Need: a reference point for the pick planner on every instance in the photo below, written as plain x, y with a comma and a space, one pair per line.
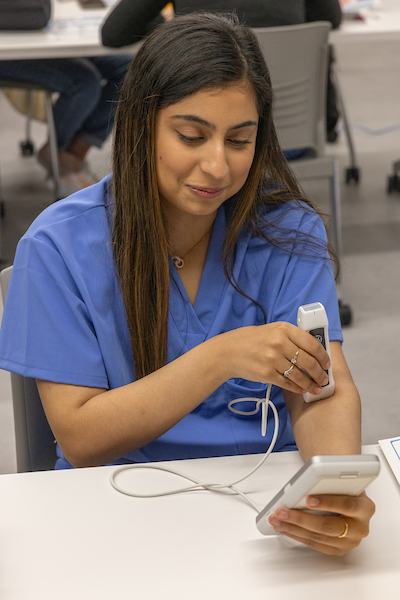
92, 3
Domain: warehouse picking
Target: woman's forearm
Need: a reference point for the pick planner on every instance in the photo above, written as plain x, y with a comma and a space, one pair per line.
95, 426
333, 425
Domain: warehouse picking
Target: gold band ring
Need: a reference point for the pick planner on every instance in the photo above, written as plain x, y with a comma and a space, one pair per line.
294, 359
346, 529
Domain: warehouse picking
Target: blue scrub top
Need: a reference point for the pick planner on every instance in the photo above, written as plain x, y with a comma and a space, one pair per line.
64, 319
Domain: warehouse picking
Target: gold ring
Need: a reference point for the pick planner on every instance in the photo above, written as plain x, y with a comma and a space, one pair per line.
294, 359
346, 529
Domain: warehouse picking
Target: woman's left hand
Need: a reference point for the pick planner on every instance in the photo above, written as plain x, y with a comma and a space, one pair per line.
334, 534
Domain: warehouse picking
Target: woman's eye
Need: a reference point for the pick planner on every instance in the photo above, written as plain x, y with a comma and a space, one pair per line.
239, 143
188, 139
196, 139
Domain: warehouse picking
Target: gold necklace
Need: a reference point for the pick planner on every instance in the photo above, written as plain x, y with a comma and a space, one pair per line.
179, 261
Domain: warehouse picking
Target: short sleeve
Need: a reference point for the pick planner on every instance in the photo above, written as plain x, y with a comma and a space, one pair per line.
47, 331
309, 277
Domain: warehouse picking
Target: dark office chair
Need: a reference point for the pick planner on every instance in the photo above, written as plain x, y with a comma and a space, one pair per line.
27, 147
34, 440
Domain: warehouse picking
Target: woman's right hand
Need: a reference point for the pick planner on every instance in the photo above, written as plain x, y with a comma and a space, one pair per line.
263, 353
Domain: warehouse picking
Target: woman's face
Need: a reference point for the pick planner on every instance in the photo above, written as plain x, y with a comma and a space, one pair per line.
205, 147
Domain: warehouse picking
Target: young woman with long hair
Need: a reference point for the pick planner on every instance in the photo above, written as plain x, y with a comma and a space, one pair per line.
146, 303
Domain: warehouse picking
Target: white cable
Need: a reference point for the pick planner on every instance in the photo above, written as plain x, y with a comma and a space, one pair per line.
198, 484
370, 131
264, 409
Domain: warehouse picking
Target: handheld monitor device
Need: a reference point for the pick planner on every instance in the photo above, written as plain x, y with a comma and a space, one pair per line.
339, 475
313, 318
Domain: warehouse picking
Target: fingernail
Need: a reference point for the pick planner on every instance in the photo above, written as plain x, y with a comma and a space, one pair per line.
325, 381
328, 365
274, 521
313, 501
317, 390
282, 514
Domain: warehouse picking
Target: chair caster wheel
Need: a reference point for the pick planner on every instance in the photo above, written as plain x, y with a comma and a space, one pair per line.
393, 184
352, 174
393, 181
27, 148
345, 314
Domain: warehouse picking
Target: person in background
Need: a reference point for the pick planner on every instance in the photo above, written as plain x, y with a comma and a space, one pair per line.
83, 112
144, 304
131, 20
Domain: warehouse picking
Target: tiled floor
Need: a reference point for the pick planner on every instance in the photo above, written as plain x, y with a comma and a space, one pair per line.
370, 82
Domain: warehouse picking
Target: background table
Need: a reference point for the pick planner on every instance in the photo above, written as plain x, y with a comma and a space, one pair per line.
381, 24
69, 534
72, 31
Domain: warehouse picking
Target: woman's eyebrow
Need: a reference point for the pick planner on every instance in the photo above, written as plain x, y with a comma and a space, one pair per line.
196, 119
245, 124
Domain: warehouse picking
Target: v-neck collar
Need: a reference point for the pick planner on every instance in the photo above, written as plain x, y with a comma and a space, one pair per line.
199, 317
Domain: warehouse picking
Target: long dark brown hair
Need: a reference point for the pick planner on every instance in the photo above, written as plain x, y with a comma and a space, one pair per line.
179, 58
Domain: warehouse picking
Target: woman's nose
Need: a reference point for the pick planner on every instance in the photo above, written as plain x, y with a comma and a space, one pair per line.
215, 161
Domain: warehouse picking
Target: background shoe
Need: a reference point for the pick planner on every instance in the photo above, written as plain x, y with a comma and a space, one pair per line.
67, 162
74, 173
73, 182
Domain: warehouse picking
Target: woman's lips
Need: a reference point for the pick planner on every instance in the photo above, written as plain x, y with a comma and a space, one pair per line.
205, 192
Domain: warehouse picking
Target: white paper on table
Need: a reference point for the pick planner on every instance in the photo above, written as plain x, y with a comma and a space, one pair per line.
75, 26
391, 450
353, 6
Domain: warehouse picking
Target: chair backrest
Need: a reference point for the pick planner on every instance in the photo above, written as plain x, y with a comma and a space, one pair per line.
297, 58
35, 444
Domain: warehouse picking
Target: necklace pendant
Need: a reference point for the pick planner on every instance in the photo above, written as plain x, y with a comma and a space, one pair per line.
178, 261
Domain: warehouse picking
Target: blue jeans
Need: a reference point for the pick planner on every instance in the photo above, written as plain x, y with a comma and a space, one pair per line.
87, 87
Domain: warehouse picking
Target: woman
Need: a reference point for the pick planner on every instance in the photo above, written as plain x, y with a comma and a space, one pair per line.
146, 303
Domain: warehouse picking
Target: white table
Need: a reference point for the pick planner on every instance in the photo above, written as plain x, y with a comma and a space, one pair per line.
382, 24
69, 535
72, 31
